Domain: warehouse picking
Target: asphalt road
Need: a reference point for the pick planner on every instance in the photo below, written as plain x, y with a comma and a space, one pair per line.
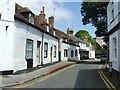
84, 75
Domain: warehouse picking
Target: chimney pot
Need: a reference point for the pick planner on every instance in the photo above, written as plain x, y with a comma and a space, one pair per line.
43, 10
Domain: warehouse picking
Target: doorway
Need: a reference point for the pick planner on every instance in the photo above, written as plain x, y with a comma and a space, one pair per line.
51, 55
38, 53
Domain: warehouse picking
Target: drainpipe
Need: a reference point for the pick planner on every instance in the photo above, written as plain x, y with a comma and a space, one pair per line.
42, 49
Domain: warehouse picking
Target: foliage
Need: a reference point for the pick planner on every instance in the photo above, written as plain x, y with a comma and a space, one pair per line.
85, 36
96, 14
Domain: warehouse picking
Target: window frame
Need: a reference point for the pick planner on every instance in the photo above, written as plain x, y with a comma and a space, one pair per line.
45, 51
55, 50
27, 50
31, 18
72, 53
65, 53
76, 53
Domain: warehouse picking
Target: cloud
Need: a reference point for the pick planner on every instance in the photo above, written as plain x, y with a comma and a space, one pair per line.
56, 9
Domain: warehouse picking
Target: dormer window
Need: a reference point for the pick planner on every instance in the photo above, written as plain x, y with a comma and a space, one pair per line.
31, 18
64, 39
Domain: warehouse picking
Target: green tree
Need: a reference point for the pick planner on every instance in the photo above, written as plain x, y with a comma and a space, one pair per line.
96, 14
85, 36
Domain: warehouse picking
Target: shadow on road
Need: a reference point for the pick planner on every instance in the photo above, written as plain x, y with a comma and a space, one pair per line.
89, 78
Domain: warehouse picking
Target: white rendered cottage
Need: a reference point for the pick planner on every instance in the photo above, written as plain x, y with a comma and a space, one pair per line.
69, 49
113, 16
25, 42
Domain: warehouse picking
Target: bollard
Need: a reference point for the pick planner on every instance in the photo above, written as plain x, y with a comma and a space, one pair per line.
110, 69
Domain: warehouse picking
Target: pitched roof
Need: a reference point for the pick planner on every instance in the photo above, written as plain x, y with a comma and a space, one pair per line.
61, 35
19, 16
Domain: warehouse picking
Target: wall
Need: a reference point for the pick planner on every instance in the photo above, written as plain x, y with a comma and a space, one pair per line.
7, 7
114, 59
69, 47
109, 14
21, 33
6, 46
51, 42
91, 54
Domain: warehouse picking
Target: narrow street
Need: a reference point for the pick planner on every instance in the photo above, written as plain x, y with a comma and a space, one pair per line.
84, 75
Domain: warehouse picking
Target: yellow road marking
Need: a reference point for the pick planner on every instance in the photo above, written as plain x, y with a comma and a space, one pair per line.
108, 81
104, 78
104, 81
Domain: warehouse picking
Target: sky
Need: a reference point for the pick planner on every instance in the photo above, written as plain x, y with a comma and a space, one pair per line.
66, 14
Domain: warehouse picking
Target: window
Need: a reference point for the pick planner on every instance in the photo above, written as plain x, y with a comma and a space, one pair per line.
64, 39
115, 46
112, 13
31, 18
0, 16
45, 50
54, 51
65, 52
76, 53
72, 53
29, 49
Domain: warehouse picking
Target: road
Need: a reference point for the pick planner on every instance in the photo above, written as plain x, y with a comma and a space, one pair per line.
84, 75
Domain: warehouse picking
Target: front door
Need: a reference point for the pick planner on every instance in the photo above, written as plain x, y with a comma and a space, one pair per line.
51, 55
38, 53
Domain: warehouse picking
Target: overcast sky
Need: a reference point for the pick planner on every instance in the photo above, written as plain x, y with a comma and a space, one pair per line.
66, 14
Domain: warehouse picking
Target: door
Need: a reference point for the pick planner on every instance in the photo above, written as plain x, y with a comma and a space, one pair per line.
38, 53
51, 55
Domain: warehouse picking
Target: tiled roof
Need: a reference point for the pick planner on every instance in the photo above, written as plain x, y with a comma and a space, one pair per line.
61, 35
19, 16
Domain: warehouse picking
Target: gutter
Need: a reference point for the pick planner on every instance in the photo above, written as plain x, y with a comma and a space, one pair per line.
42, 49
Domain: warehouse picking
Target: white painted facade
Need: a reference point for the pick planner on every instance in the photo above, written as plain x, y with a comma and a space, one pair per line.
6, 34
113, 16
13, 36
69, 47
21, 33
87, 48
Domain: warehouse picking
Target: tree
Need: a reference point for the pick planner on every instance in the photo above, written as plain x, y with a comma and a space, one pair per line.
85, 36
96, 14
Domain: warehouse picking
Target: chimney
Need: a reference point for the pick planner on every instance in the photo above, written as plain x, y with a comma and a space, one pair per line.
43, 10
69, 32
51, 25
42, 20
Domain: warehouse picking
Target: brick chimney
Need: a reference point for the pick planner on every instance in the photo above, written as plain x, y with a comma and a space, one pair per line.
69, 32
51, 25
41, 19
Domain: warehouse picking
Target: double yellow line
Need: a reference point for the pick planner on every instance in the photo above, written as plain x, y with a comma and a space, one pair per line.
109, 85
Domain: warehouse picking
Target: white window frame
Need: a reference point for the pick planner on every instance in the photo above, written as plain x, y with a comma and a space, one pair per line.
29, 50
45, 49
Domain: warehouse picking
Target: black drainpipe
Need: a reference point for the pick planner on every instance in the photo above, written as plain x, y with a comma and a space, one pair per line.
42, 49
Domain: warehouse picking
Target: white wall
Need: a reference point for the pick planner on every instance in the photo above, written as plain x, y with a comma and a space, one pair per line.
6, 46
23, 32
91, 54
109, 14
114, 59
69, 47
51, 42
64, 46
7, 10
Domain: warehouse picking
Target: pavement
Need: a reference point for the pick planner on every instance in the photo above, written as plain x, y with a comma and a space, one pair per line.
114, 79
16, 79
